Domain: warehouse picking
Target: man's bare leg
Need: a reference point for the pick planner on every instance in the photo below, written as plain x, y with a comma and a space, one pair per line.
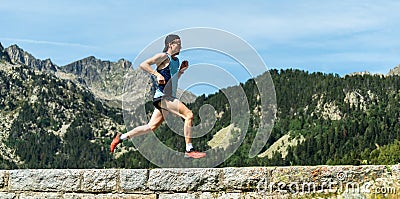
155, 121
178, 108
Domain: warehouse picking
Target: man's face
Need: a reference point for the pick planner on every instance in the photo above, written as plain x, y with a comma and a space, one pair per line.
176, 46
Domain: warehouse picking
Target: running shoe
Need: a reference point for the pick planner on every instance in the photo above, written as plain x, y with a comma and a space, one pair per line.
115, 142
194, 154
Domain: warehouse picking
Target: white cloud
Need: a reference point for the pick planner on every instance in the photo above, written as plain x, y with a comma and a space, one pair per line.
17, 40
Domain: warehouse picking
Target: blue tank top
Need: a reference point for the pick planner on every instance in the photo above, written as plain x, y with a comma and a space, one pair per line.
170, 74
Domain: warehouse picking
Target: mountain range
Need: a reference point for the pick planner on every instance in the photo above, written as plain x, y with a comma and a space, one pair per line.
59, 116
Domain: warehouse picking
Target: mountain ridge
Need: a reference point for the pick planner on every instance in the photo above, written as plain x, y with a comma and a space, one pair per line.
395, 70
52, 120
37, 105
18, 56
105, 79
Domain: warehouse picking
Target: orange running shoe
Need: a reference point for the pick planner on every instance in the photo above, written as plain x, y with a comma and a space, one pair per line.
194, 154
115, 142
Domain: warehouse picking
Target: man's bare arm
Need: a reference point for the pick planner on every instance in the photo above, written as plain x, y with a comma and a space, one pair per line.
156, 59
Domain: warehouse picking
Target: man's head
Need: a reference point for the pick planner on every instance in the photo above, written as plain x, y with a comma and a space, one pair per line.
172, 42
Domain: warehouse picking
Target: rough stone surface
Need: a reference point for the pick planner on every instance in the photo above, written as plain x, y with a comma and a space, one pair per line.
178, 196
362, 173
395, 170
221, 195
133, 180
5, 195
100, 180
251, 195
213, 183
78, 196
44, 180
126, 196
38, 195
108, 196
295, 174
250, 178
2, 176
182, 180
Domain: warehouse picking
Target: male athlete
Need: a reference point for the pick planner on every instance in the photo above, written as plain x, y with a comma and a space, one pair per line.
168, 72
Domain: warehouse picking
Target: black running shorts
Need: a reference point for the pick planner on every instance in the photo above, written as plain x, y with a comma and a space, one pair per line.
157, 101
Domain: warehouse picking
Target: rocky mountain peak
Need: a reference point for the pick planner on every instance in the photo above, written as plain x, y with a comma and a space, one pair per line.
125, 63
3, 55
395, 71
105, 79
89, 65
90, 60
19, 56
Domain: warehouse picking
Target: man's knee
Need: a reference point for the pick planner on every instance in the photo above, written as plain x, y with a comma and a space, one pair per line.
189, 116
153, 127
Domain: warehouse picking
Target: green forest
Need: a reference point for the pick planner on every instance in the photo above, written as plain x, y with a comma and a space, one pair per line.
367, 133
364, 128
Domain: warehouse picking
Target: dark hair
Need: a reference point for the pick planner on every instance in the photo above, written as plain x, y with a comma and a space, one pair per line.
170, 38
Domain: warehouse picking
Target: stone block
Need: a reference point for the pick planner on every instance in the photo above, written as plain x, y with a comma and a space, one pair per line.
323, 179
220, 195
246, 178
39, 195
360, 173
177, 196
100, 180
78, 196
2, 178
395, 171
44, 180
259, 195
294, 174
126, 196
5, 195
132, 180
183, 180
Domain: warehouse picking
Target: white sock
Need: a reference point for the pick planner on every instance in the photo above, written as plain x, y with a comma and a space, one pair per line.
123, 136
189, 146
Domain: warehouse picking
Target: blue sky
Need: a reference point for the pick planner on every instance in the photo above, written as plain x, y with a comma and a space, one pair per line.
327, 36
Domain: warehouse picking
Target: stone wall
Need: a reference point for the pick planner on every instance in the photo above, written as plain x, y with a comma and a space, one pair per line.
251, 182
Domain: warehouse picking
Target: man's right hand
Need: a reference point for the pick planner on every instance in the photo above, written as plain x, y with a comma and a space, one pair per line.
160, 79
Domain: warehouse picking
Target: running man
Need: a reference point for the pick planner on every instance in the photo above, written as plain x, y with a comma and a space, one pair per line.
168, 72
